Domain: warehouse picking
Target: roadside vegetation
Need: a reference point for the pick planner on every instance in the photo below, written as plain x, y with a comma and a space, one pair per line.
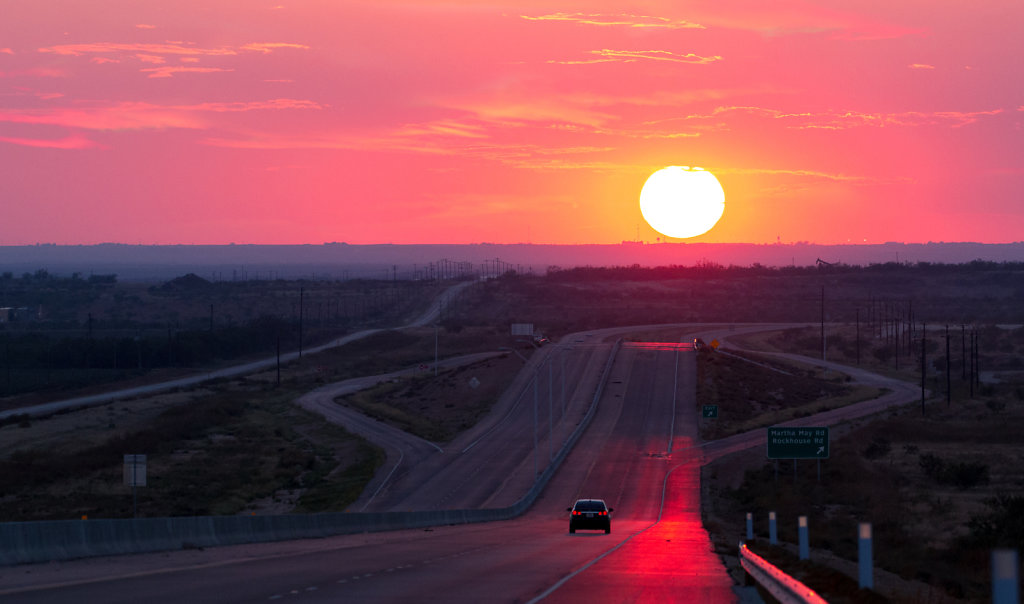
227, 450
438, 408
941, 488
754, 391
65, 336
235, 446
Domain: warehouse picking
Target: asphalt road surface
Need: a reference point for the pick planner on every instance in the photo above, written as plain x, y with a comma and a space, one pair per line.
641, 454
638, 454
428, 317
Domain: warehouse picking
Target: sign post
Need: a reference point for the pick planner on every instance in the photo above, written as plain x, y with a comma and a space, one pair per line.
135, 476
709, 411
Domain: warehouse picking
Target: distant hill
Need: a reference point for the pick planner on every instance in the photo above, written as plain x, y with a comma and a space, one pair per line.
387, 261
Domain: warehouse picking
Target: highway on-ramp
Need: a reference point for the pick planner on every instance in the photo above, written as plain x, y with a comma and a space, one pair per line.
428, 317
641, 453
637, 454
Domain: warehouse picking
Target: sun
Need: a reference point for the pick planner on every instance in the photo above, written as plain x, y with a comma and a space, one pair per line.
681, 202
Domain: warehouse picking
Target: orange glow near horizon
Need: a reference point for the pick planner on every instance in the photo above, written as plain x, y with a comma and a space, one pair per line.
459, 122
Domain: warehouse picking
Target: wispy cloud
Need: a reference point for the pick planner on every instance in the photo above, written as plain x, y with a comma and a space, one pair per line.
34, 72
631, 56
145, 26
139, 116
920, 66
70, 142
448, 127
616, 20
170, 70
842, 120
268, 47
815, 174
6, 51
169, 48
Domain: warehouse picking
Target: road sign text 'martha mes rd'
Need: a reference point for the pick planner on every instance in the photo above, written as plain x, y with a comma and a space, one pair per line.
797, 443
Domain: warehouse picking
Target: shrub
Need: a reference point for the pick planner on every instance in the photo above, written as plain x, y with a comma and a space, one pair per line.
879, 447
961, 474
1003, 525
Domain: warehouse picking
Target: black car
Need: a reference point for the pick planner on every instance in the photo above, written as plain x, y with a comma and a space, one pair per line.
590, 514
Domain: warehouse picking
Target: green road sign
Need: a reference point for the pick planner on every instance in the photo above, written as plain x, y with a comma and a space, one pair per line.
797, 443
709, 411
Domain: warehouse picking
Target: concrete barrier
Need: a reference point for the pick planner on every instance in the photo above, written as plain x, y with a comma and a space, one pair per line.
28, 542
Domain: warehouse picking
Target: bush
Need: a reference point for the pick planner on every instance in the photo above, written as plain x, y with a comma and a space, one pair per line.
879, 447
1003, 525
961, 474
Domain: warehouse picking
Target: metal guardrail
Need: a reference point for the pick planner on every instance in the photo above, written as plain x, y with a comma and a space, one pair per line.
781, 586
42, 541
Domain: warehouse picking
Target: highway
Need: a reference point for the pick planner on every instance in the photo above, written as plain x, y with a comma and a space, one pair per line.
428, 317
638, 454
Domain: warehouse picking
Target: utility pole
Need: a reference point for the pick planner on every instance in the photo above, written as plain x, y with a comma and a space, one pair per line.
924, 333
972, 364
858, 335
963, 352
822, 322
949, 394
301, 312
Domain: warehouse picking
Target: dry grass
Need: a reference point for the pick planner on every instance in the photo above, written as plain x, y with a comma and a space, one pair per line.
930, 526
438, 409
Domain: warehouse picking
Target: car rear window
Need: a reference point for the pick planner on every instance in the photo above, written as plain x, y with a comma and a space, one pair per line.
589, 506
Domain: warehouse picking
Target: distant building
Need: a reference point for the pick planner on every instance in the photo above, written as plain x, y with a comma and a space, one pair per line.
24, 314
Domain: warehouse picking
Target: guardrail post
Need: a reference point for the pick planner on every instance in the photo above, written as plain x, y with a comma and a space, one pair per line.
805, 547
864, 562
750, 526
1004, 577
773, 533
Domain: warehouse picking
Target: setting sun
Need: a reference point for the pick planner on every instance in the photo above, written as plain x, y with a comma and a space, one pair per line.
681, 202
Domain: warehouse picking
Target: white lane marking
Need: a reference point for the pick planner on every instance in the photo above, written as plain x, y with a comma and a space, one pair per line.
401, 456
511, 410
275, 597
313, 588
661, 510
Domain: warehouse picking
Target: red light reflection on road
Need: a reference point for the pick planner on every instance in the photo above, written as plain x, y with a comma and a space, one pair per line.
672, 561
685, 346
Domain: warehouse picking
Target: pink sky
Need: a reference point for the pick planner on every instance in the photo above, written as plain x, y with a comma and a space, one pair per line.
460, 122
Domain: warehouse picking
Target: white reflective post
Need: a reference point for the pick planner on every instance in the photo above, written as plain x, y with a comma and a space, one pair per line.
1005, 588
750, 526
773, 533
864, 562
805, 546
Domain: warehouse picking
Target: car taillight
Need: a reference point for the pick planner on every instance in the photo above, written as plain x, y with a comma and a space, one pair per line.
575, 513
604, 513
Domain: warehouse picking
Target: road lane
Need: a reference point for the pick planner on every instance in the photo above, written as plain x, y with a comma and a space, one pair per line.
654, 551
428, 317
672, 559
511, 561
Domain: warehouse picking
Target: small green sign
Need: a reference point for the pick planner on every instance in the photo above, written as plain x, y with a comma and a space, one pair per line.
797, 443
709, 411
